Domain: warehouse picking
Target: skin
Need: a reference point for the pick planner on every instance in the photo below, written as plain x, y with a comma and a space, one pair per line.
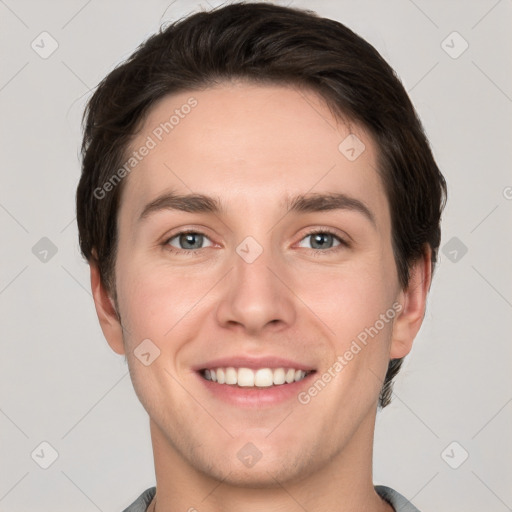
251, 146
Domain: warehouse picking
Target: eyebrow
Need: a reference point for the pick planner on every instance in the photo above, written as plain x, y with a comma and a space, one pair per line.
317, 202
191, 203
303, 203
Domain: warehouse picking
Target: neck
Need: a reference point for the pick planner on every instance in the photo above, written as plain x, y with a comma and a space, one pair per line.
343, 483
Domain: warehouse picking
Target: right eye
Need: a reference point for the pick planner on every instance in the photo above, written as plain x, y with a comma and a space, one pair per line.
187, 241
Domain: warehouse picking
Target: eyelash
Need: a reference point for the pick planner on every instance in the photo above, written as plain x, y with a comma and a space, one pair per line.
343, 244
173, 250
317, 252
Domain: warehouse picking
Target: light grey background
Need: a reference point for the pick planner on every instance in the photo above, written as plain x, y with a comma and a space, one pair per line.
61, 383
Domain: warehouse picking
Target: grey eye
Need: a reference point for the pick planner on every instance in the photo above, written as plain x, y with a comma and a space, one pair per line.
190, 240
321, 240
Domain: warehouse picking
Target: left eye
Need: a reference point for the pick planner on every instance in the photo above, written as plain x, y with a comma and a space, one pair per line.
322, 240
189, 240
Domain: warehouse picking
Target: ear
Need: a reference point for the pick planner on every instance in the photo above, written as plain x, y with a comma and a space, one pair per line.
413, 300
106, 311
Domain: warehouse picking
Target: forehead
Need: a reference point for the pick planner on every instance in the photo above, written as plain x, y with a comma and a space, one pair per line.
238, 141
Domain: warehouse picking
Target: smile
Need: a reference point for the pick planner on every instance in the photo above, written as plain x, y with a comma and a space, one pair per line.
260, 378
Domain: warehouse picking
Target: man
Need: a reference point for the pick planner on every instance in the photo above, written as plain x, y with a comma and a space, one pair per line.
260, 210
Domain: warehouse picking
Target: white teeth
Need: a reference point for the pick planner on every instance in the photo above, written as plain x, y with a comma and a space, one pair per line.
279, 376
231, 375
261, 378
245, 377
290, 376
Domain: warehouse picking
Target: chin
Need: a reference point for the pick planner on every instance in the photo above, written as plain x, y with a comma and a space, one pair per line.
244, 464
261, 476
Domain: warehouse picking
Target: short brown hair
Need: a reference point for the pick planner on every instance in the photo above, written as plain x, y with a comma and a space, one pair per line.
264, 43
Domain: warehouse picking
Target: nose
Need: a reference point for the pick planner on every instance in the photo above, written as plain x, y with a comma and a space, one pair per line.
256, 296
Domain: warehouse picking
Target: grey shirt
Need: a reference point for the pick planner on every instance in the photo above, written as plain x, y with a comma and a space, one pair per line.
395, 499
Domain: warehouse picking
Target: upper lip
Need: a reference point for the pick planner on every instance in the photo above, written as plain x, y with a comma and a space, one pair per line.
253, 363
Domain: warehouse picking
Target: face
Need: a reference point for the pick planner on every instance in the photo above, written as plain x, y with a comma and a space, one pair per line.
260, 276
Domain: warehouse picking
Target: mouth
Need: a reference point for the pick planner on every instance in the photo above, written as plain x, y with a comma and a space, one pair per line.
254, 378
256, 382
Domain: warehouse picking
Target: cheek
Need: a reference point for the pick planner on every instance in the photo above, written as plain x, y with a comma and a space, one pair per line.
153, 299
360, 317
355, 305
355, 293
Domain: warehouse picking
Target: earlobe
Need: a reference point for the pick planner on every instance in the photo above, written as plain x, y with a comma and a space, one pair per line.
106, 311
413, 300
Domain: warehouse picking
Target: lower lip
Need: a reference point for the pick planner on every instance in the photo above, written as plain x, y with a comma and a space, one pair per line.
254, 396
